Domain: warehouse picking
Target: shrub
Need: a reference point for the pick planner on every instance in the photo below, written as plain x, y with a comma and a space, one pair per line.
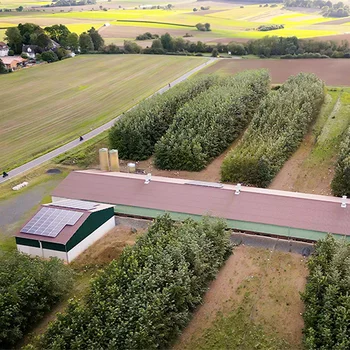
341, 181
265, 28
136, 134
29, 287
145, 299
206, 125
326, 296
276, 131
131, 47
49, 56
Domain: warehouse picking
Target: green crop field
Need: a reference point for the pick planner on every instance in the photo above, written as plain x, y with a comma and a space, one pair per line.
48, 105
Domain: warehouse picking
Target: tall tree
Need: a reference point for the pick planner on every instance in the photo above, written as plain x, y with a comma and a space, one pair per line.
58, 33
85, 43
72, 41
167, 42
96, 38
14, 39
27, 29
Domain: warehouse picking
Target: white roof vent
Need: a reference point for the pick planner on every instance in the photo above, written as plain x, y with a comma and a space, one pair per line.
238, 189
148, 178
343, 202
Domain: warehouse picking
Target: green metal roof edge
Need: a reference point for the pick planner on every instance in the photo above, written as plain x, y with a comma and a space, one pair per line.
234, 224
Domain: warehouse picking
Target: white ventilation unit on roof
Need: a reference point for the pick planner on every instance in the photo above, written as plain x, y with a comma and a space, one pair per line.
148, 178
238, 189
343, 202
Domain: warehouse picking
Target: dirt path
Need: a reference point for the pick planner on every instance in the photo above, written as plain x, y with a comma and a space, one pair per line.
272, 280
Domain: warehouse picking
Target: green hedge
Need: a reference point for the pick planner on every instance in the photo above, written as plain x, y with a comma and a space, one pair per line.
341, 181
327, 297
29, 287
209, 123
144, 300
276, 131
136, 134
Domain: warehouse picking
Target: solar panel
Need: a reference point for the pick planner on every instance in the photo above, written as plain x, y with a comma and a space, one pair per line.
205, 184
50, 222
75, 204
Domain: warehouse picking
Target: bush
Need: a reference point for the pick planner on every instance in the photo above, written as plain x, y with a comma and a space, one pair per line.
341, 181
49, 56
327, 298
136, 134
144, 300
147, 36
276, 131
265, 28
304, 55
131, 47
29, 287
207, 125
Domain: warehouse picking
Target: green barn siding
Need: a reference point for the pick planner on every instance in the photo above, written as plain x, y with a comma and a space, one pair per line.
54, 246
93, 222
27, 242
234, 224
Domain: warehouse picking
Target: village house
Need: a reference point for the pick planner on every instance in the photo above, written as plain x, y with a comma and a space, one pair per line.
30, 50
13, 62
4, 49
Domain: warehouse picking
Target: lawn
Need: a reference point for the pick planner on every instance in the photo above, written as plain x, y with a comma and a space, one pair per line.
46, 106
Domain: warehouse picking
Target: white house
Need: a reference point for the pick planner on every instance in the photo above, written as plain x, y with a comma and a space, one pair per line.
4, 49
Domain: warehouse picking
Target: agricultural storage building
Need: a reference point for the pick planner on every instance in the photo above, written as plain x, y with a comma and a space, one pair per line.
64, 229
272, 212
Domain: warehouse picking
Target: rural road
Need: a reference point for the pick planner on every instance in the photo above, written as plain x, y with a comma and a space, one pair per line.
48, 156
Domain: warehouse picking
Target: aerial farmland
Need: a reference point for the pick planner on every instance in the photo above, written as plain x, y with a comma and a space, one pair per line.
174, 175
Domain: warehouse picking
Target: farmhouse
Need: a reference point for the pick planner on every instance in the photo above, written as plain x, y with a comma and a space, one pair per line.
13, 62
64, 229
30, 50
4, 49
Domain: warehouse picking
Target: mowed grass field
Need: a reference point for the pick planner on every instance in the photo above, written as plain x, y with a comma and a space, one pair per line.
48, 105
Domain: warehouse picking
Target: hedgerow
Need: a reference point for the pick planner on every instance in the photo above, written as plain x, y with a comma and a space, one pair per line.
143, 300
29, 287
341, 180
136, 134
327, 297
206, 125
275, 132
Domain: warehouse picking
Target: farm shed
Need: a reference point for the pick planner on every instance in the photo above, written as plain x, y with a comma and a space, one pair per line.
64, 229
271, 212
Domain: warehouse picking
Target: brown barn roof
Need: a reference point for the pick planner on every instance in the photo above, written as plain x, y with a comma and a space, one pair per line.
282, 208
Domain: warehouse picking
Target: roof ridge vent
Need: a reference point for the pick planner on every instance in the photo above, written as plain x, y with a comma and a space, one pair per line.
343, 202
238, 188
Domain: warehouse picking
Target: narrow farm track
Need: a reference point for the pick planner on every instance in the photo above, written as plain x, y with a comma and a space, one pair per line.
69, 120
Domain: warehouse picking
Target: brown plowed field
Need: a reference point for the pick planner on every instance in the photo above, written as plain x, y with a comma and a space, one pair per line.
332, 71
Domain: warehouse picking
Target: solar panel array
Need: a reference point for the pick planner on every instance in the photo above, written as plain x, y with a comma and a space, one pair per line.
204, 184
75, 204
49, 222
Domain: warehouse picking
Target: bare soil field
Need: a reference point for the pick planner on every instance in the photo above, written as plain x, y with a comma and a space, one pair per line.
266, 284
337, 38
332, 71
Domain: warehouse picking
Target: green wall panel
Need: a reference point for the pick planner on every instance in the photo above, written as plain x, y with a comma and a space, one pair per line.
234, 224
53, 246
93, 222
27, 242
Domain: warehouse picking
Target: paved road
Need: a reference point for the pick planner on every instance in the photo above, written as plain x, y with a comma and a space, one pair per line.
48, 156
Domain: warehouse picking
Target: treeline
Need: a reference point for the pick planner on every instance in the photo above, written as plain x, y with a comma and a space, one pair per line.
275, 132
138, 131
205, 126
29, 287
329, 9
71, 3
341, 180
267, 46
327, 297
145, 299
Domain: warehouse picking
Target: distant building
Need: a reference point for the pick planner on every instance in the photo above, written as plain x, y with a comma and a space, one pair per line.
13, 62
4, 49
30, 50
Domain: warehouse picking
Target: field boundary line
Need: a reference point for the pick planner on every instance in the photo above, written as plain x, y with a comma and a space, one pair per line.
90, 135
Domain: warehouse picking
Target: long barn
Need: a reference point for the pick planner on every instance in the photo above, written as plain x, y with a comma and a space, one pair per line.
264, 211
